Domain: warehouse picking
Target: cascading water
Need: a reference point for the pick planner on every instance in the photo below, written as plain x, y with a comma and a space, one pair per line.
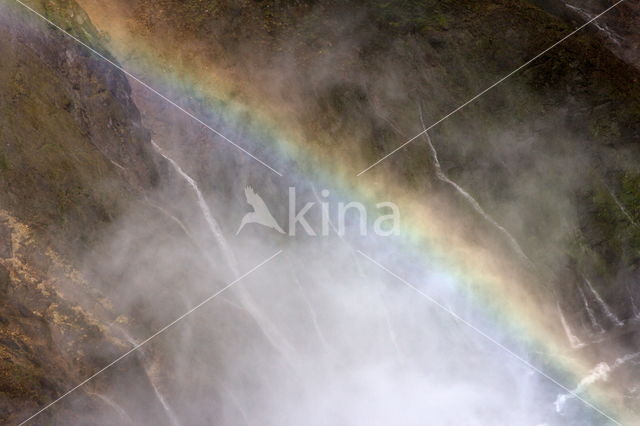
634, 305
574, 341
600, 372
603, 305
361, 344
206, 212
270, 331
469, 198
622, 208
124, 417
358, 266
347, 332
312, 312
592, 316
363, 347
171, 416
360, 333
602, 28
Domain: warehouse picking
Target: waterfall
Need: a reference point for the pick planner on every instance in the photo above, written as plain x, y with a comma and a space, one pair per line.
118, 409
622, 208
603, 305
634, 306
238, 404
574, 341
390, 329
167, 408
592, 316
385, 311
589, 17
177, 221
227, 253
312, 313
469, 198
273, 335
600, 372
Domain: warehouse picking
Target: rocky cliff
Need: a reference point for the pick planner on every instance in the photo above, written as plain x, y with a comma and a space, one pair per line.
551, 156
69, 133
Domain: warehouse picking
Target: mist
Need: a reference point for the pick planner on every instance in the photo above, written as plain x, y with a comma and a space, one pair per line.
489, 306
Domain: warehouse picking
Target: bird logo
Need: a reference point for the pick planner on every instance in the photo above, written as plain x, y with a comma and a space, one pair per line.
260, 214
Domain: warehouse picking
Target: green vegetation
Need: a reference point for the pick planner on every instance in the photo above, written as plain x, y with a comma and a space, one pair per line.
611, 235
69, 15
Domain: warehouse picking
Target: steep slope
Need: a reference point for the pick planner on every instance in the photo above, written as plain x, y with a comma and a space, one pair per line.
68, 127
549, 161
69, 133
348, 71
551, 155
617, 29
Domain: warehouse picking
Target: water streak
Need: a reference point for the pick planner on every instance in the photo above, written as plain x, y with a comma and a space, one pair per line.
312, 312
602, 28
622, 208
469, 198
387, 318
273, 335
206, 212
603, 305
592, 316
166, 407
574, 341
600, 372
634, 306
118, 409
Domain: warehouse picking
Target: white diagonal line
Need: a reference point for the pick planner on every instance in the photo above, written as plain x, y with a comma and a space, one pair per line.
486, 336
497, 83
157, 333
145, 85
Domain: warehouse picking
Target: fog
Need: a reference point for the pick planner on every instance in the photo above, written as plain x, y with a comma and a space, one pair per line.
318, 335
341, 329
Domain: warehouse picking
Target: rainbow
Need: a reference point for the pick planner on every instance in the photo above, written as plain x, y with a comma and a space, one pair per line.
429, 232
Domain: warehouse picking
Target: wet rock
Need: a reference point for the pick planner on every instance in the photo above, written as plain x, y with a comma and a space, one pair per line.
5, 241
5, 279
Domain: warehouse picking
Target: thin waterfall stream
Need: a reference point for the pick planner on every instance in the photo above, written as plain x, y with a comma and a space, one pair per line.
269, 329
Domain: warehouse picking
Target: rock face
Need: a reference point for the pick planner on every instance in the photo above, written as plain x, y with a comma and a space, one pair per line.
548, 154
67, 128
552, 159
5, 239
56, 331
616, 29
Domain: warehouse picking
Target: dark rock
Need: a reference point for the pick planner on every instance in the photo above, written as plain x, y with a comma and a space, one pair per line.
5, 279
5, 241
8, 343
24, 311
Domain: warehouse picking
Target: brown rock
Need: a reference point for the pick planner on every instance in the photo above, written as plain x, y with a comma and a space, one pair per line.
5, 241
4, 279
